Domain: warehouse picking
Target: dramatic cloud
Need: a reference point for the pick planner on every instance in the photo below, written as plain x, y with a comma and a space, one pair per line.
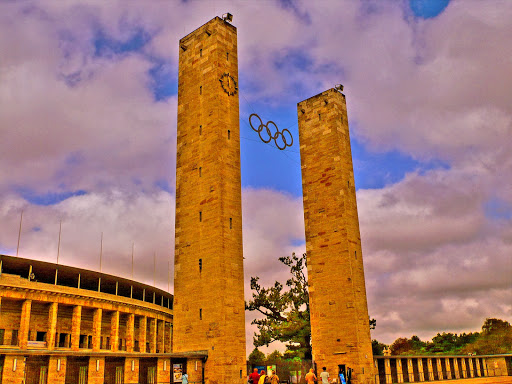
87, 136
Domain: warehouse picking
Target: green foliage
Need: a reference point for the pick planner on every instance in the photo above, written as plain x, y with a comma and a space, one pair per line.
378, 348
257, 357
401, 346
495, 338
286, 311
274, 357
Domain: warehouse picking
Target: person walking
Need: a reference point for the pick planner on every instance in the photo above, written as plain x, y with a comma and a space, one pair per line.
254, 377
274, 379
310, 377
325, 376
263, 376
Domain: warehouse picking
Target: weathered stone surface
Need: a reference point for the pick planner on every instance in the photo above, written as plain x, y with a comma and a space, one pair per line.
339, 314
208, 283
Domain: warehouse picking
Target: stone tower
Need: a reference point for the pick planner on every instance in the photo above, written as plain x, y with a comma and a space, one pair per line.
340, 330
208, 264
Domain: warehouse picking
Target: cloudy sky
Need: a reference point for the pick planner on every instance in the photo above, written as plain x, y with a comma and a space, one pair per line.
88, 95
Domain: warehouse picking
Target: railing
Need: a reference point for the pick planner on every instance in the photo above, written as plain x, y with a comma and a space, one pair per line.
398, 378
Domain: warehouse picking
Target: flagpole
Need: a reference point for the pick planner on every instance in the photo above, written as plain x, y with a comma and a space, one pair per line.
101, 249
133, 246
58, 245
19, 235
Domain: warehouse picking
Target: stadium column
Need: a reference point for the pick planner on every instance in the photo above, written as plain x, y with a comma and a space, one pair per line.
57, 369
114, 331
143, 324
131, 371
208, 265
75, 327
152, 335
163, 370
96, 329
160, 342
130, 332
52, 325
340, 331
25, 323
96, 370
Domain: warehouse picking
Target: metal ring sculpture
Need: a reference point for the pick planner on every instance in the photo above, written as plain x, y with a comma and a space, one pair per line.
268, 135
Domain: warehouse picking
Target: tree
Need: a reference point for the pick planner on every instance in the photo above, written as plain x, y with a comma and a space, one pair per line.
378, 348
401, 346
495, 338
274, 357
286, 311
491, 326
256, 357
417, 345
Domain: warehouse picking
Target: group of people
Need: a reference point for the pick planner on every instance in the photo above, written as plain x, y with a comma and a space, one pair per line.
262, 378
272, 378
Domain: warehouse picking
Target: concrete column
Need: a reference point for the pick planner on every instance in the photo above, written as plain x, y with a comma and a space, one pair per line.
152, 335
57, 370
52, 326
420, 370
114, 331
96, 373
14, 369
409, 370
75, 327
440, 373
448, 369
471, 370
24, 323
456, 374
430, 370
387, 368
169, 341
143, 323
163, 370
130, 332
131, 370
478, 370
399, 370
96, 329
160, 342
464, 370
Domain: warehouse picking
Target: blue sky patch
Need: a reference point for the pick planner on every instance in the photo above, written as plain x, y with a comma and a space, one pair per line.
163, 185
49, 198
497, 208
427, 9
298, 242
164, 82
295, 59
107, 46
4, 250
373, 170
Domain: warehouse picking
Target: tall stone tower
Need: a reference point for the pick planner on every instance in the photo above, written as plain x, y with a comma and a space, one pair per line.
340, 330
208, 264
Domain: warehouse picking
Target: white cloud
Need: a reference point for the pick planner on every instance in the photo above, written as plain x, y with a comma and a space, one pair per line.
432, 89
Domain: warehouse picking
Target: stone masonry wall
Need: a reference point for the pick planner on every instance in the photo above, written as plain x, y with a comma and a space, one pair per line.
339, 315
208, 285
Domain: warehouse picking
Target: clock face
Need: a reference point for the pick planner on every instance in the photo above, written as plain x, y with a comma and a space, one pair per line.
228, 84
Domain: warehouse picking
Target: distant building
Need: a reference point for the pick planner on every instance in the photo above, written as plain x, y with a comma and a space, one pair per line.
61, 324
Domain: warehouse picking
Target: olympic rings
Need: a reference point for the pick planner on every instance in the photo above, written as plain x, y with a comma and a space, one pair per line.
268, 132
